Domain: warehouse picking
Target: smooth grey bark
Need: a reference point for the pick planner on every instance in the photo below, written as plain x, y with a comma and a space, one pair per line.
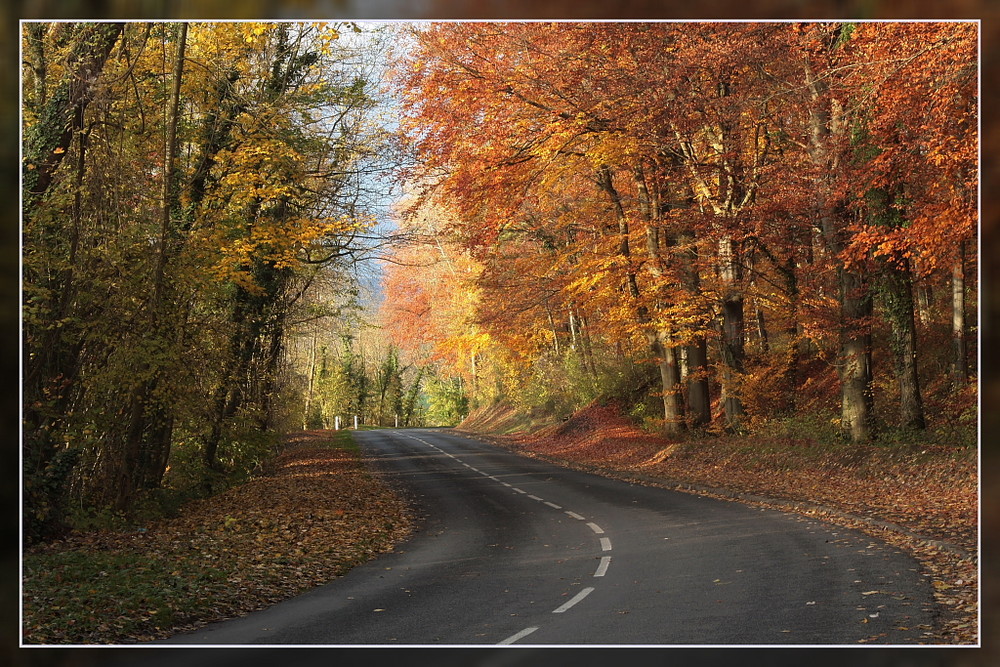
960, 363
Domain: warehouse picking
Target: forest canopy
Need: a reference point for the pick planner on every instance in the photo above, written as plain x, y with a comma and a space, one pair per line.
189, 189
719, 225
748, 210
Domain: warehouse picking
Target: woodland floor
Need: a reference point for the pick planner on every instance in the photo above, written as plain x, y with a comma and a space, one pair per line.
317, 513
320, 511
920, 498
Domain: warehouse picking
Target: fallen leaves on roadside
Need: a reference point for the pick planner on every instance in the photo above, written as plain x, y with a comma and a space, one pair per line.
318, 513
908, 498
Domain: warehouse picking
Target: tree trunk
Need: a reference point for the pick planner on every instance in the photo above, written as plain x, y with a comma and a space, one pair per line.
661, 345
37, 61
794, 351
654, 337
572, 329
55, 127
312, 383
269, 381
857, 399
52, 362
587, 346
157, 453
167, 197
555, 331
733, 333
899, 305
827, 127
960, 363
925, 297
699, 403
673, 407
765, 344
699, 406
142, 407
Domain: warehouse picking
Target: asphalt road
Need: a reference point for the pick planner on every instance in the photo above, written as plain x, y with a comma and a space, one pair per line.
516, 551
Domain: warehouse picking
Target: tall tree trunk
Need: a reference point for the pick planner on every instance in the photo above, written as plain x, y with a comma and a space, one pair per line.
587, 345
572, 329
37, 61
269, 381
232, 388
555, 332
855, 358
959, 363
765, 344
658, 243
142, 407
51, 359
654, 336
794, 351
673, 407
55, 127
311, 386
157, 453
826, 129
925, 297
733, 332
699, 406
786, 269
899, 306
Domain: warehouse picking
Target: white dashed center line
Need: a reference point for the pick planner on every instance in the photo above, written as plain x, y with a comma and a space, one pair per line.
576, 598
520, 635
602, 567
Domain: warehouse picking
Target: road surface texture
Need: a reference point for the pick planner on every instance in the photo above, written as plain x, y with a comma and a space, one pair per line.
515, 551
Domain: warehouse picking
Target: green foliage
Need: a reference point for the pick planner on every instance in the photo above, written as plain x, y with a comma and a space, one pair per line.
155, 330
815, 427
447, 402
243, 451
45, 494
844, 34
961, 437
341, 386
88, 518
343, 440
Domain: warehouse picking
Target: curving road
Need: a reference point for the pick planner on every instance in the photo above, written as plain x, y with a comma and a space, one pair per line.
516, 551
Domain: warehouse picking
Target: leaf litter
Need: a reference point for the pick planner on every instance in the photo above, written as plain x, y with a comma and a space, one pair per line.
317, 513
